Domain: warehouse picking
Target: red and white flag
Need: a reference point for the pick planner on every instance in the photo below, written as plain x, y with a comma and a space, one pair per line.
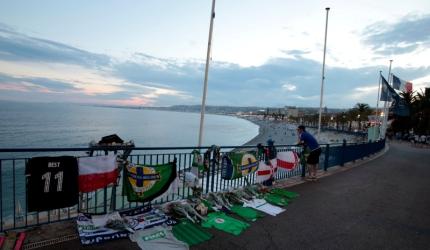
287, 160
97, 172
265, 171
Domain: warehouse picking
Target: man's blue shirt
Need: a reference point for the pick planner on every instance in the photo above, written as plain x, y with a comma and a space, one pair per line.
309, 140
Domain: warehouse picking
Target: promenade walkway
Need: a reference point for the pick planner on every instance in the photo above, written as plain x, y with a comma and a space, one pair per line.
381, 204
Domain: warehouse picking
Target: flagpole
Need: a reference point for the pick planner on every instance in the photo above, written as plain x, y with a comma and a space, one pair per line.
377, 100
322, 77
205, 88
384, 131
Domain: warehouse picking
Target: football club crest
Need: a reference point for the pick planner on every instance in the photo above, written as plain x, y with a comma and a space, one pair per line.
144, 183
236, 165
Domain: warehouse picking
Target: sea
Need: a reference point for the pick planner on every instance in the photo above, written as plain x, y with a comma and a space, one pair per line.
42, 125
54, 125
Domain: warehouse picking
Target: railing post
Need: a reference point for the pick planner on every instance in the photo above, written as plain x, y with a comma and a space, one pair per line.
304, 169
342, 155
303, 161
113, 198
1, 197
104, 200
208, 174
327, 155
213, 164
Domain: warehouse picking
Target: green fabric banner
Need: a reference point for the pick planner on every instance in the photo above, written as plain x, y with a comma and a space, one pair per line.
145, 183
236, 165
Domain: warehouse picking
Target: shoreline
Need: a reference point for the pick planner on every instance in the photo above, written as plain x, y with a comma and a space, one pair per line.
283, 133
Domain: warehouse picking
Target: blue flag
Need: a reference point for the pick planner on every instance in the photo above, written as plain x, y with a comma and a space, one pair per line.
399, 83
396, 82
399, 106
387, 92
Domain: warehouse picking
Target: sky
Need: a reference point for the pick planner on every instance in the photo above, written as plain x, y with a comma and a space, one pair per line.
264, 53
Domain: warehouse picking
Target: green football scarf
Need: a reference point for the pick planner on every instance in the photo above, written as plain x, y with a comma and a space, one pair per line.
144, 183
237, 165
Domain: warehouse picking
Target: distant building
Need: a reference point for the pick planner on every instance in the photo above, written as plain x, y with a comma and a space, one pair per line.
292, 111
279, 111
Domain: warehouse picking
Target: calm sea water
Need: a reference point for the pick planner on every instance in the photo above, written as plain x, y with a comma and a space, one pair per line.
26, 125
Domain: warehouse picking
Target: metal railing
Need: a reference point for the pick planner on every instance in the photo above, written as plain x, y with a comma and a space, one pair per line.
13, 193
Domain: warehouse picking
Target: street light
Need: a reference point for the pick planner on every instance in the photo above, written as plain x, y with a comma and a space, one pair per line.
343, 121
359, 122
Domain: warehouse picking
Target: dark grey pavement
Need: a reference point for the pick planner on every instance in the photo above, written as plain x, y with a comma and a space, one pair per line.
382, 204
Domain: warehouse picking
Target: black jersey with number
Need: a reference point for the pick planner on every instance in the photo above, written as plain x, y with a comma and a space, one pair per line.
52, 182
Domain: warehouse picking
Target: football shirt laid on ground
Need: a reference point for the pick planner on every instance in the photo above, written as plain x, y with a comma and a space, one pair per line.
283, 192
190, 233
247, 213
225, 223
157, 238
276, 199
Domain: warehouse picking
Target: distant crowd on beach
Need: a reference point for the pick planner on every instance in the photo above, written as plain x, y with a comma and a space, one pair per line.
284, 133
411, 137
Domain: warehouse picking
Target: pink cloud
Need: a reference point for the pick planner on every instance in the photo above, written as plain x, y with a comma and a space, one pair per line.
14, 87
133, 101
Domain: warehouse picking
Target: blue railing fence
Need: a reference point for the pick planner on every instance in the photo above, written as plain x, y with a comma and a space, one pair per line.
13, 194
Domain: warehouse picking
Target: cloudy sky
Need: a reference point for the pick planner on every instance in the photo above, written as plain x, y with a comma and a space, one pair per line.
265, 53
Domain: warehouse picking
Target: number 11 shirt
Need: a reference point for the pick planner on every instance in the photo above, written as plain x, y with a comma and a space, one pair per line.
52, 182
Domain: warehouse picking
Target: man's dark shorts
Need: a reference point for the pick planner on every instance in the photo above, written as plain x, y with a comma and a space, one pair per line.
314, 157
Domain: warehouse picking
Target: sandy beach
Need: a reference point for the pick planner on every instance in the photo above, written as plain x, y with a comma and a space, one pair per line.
284, 133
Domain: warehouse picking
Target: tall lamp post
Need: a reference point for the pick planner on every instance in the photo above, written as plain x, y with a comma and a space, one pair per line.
323, 68
205, 87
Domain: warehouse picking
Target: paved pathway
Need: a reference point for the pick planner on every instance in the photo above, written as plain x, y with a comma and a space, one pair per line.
382, 204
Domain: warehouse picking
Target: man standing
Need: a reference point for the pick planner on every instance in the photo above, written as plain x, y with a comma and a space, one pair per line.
307, 140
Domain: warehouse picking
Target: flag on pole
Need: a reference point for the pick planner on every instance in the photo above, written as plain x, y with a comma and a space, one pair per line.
387, 92
401, 85
399, 106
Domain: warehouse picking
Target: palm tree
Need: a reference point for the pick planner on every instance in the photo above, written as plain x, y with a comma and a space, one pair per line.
351, 115
341, 118
408, 97
363, 111
403, 123
422, 116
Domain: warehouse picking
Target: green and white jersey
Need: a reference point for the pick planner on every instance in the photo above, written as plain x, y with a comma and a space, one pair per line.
285, 193
225, 223
190, 233
276, 199
247, 213
157, 238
